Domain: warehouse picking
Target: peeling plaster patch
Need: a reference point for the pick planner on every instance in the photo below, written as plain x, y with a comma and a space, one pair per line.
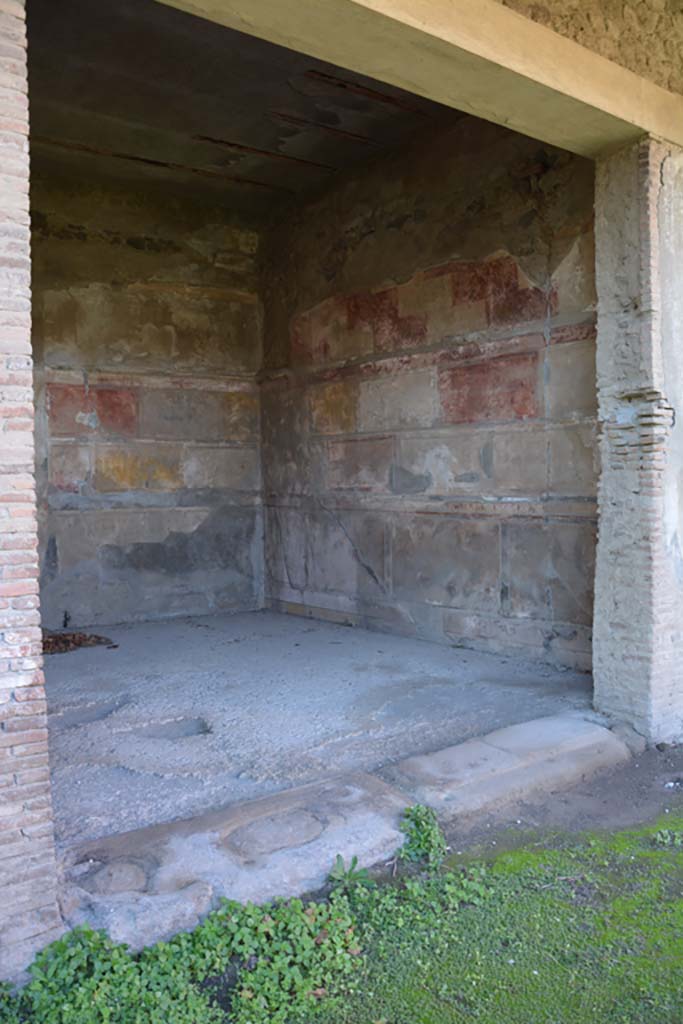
221, 541
404, 482
88, 419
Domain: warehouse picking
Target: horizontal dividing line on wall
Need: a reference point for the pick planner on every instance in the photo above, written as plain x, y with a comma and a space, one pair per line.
114, 441
182, 287
366, 609
411, 613
364, 605
92, 377
243, 499
444, 431
527, 338
574, 509
135, 502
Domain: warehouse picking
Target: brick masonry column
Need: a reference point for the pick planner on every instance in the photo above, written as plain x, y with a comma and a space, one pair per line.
638, 623
29, 916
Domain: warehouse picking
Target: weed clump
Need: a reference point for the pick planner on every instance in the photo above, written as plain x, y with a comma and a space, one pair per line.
425, 841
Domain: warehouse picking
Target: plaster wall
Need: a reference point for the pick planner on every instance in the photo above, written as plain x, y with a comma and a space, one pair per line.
146, 337
645, 36
429, 399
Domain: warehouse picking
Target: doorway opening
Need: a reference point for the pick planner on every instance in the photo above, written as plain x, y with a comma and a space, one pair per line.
311, 353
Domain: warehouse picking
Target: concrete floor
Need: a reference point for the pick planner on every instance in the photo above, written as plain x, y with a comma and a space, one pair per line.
197, 713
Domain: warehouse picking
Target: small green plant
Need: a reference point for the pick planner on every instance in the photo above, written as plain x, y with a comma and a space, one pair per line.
271, 965
424, 839
668, 837
345, 879
9, 1005
287, 956
85, 978
290, 956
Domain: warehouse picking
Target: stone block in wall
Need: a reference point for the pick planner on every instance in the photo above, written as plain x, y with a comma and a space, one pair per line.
514, 299
145, 326
520, 461
334, 406
143, 467
359, 463
429, 297
506, 388
500, 290
327, 550
397, 401
446, 561
547, 570
221, 468
457, 462
570, 378
285, 548
350, 327
287, 461
573, 465
69, 466
558, 643
392, 329
76, 411
346, 552
76, 536
195, 414
328, 334
114, 566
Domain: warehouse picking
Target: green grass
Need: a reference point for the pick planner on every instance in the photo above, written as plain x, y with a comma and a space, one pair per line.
587, 931
591, 933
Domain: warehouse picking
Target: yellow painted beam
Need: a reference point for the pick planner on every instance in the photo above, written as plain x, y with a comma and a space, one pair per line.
474, 55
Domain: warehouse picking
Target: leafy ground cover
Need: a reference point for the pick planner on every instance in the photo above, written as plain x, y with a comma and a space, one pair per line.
569, 932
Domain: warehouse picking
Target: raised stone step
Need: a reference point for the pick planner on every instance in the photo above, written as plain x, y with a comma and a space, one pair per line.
516, 763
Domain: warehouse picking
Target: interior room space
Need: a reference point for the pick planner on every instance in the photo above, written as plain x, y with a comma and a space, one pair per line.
311, 353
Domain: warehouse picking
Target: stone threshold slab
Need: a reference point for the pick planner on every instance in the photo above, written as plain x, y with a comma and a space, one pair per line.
509, 765
145, 885
148, 884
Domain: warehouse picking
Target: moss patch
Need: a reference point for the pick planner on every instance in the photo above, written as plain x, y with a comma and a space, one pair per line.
585, 933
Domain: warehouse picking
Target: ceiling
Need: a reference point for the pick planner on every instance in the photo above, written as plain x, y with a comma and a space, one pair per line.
132, 89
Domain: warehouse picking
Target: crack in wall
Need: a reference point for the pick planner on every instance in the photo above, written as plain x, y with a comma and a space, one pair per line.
354, 547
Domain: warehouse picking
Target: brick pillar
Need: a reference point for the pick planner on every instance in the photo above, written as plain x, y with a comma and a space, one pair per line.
638, 625
29, 917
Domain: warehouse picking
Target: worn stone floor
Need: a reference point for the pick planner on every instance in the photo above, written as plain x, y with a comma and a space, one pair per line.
192, 714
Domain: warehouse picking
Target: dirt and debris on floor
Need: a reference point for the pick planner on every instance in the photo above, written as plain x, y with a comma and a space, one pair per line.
62, 643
